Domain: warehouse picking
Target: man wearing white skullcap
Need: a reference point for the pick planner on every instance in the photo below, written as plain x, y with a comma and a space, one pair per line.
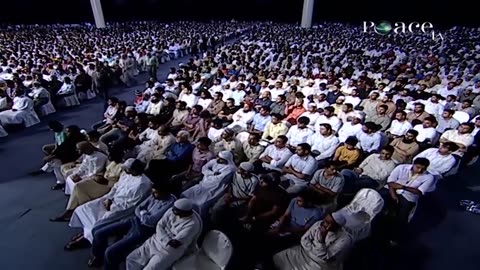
233, 204
177, 233
183, 204
323, 246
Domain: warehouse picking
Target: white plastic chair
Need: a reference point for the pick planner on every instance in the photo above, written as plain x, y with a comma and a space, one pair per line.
214, 254
47, 108
461, 117
367, 201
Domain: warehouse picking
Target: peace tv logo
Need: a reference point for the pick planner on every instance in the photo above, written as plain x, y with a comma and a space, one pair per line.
385, 27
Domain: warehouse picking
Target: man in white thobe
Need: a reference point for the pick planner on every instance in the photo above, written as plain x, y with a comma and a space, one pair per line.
22, 112
146, 139
241, 118
177, 232
157, 146
217, 174
93, 163
323, 143
130, 189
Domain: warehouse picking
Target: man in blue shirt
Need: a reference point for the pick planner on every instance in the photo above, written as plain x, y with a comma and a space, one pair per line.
135, 230
300, 215
177, 158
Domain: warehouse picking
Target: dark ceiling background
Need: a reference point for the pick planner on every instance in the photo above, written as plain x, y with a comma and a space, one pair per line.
73, 11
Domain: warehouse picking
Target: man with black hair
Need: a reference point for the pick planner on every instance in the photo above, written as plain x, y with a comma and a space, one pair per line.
299, 169
404, 187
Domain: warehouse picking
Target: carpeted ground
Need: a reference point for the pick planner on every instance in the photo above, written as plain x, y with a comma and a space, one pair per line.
446, 237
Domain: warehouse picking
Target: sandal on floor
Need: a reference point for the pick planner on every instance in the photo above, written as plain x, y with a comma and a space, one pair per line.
77, 244
58, 186
76, 237
94, 262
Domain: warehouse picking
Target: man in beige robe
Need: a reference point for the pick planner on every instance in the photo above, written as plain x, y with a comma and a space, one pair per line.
93, 187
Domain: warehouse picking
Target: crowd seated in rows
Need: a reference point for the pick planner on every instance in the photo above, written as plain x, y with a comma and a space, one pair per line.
291, 146
42, 72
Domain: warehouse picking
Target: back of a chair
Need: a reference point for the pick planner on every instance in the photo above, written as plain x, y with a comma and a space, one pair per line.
366, 204
461, 117
367, 200
218, 248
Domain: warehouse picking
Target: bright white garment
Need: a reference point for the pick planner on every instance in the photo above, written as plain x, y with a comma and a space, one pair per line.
22, 112
279, 157
66, 89
398, 128
155, 253
238, 96
439, 164
425, 133
155, 148
435, 109
275, 92
91, 165
204, 102
376, 168
347, 130
125, 194
240, 119
297, 135
214, 133
333, 121
39, 92
305, 165
216, 178
352, 100
325, 145
369, 142
455, 137
313, 118
190, 99
154, 108
403, 175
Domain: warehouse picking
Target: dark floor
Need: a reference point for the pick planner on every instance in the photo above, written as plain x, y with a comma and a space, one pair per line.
445, 238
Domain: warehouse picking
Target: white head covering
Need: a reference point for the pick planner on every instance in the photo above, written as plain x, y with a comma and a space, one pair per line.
247, 166
183, 204
340, 218
228, 156
128, 163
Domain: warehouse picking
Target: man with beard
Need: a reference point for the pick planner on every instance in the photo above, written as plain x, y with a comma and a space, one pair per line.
405, 147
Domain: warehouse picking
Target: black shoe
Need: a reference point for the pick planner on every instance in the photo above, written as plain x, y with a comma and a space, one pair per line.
58, 186
36, 173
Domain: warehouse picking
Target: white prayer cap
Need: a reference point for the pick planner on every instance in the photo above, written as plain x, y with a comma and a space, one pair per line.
183, 204
358, 115
339, 218
312, 104
227, 155
128, 163
247, 166
130, 109
331, 87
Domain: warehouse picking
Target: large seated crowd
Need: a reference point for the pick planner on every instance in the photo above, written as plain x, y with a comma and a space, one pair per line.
46, 67
284, 146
